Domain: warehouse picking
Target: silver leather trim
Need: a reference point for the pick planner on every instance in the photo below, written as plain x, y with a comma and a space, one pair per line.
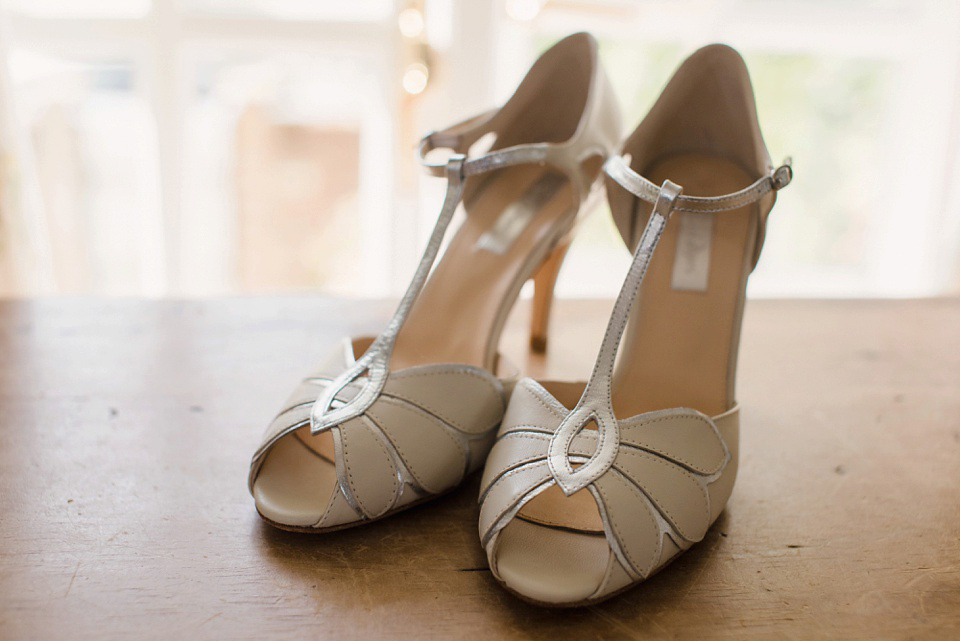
375, 359
619, 170
333, 397
596, 403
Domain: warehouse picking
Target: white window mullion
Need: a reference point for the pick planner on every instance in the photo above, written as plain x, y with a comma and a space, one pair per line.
161, 232
24, 236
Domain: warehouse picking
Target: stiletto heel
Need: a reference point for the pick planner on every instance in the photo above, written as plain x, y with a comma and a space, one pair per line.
395, 420
543, 295
594, 486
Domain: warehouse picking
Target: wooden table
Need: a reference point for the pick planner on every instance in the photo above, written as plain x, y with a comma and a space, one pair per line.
126, 428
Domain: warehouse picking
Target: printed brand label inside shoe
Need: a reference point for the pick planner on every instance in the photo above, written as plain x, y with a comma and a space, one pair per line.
517, 215
691, 264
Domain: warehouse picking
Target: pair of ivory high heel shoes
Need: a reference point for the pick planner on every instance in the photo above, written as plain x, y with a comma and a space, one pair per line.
588, 487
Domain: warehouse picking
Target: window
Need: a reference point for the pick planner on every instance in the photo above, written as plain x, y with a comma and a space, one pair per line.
865, 96
209, 147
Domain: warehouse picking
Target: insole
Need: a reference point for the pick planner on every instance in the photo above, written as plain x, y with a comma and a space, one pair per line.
677, 351
678, 345
478, 277
297, 479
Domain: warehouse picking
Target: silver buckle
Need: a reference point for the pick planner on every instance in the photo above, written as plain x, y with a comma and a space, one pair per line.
782, 175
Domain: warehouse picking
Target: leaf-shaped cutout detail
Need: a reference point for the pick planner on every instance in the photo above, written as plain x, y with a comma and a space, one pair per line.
513, 450
431, 454
368, 468
632, 521
507, 491
684, 436
679, 495
468, 399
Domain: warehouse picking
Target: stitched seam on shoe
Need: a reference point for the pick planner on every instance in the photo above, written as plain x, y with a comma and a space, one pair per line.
613, 522
405, 373
517, 469
497, 390
515, 463
306, 446
523, 429
643, 424
346, 464
724, 203
395, 459
554, 411
294, 407
537, 389
733, 206
558, 525
416, 409
311, 401
509, 473
515, 504
326, 512
673, 521
456, 425
670, 457
404, 458
514, 497
271, 436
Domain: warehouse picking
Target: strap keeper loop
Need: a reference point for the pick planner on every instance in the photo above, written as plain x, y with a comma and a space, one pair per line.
454, 169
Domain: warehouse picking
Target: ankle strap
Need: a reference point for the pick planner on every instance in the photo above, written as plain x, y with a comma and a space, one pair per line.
459, 137
456, 137
776, 179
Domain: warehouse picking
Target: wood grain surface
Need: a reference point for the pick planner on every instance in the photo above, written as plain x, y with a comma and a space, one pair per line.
126, 429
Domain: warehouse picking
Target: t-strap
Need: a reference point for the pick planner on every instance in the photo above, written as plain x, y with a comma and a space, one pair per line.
596, 403
375, 360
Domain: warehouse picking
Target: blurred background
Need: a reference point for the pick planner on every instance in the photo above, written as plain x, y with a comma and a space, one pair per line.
183, 148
